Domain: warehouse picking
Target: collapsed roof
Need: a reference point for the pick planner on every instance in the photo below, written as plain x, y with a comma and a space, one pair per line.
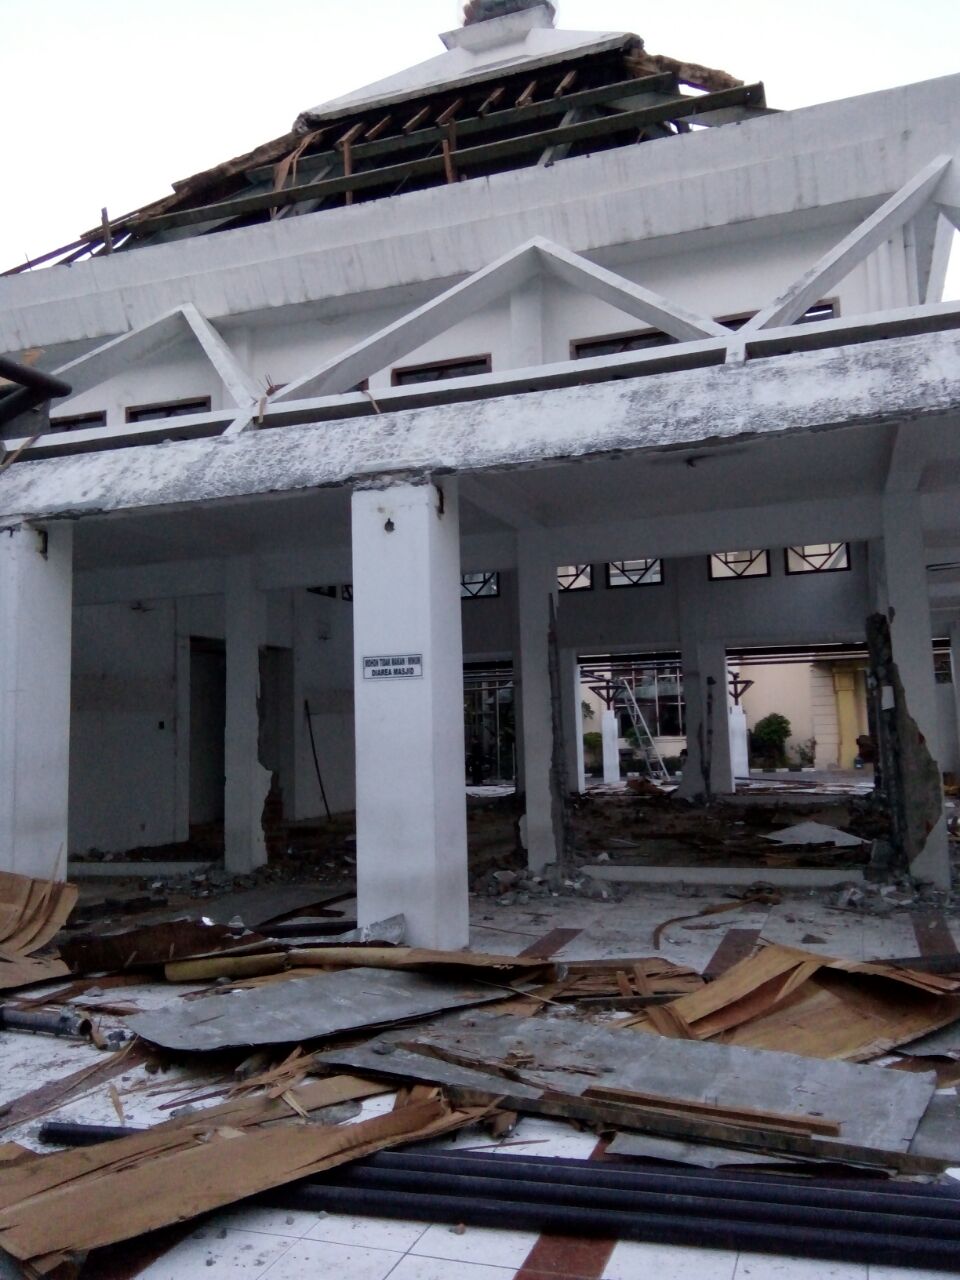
511, 91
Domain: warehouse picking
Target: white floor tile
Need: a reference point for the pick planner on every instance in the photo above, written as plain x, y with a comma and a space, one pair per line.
766, 1266
371, 1233
633, 1261
293, 1223
495, 1248
318, 1260
535, 1137
417, 1268
908, 1273
206, 1255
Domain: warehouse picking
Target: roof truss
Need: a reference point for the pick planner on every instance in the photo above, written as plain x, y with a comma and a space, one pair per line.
116, 356
345, 371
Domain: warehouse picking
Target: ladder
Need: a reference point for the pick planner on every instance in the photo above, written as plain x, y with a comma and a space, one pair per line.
646, 747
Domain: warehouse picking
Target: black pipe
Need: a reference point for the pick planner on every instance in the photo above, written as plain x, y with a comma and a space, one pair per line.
617, 1200
64, 1022
34, 379
65, 1133
665, 1228
867, 1195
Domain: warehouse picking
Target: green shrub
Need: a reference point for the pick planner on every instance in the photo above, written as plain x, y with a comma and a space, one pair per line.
769, 739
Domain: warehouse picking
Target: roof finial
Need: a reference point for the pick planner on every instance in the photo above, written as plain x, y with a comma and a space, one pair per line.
483, 10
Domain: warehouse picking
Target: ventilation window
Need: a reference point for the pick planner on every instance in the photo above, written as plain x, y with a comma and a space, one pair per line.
575, 577
440, 370
739, 564
618, 344
79, 421
819, 557
479, 586
168, 409
634, 573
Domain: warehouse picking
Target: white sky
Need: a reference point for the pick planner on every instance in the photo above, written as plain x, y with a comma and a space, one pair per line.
106, 102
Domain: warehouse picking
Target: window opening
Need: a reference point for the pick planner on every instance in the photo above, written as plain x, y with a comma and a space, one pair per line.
479, 586
440, 370
168, 409
820, 557
739, 564
634, 573
575, 577
77, 421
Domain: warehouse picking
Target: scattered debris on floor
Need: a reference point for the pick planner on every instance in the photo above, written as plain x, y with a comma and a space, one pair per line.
270, 1048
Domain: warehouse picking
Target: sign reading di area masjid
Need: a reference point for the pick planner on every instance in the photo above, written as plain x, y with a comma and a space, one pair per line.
404, 666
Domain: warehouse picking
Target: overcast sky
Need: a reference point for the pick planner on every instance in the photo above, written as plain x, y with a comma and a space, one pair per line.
106, 102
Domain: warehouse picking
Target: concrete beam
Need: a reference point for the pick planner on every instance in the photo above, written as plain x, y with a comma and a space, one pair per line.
852, 249
887, 381
794, 166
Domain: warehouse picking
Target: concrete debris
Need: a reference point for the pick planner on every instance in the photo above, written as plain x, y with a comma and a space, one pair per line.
815, 833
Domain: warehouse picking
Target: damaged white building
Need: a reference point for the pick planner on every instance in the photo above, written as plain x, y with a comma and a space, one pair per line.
341, 409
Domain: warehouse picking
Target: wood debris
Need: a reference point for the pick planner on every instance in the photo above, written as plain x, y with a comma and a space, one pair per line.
32, 912
791, 1000
66, 1203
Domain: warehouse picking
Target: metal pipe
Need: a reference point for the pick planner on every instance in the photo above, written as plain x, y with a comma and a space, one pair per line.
65, 1133
659, 1201
52, 1022
839, 1193
659, 1228
34, 379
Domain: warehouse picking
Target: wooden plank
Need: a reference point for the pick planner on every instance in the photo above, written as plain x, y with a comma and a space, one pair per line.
67, 1202
489, 153
934, 936
739, 1115
735, 946
552, 942
569, 1257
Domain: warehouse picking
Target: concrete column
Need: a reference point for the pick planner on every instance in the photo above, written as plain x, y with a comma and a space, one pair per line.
246, 780
739, 744
908, 603
36, 600
572, 720
954, 635
411, 796
610, 735
536, 582
705, 688
323, 678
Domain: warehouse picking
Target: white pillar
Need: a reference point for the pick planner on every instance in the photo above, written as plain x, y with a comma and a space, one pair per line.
739, 744
705, 687
610, 735
911, 633
573, 720
411, 795
954, 635
246, 780
36, 602
536, 582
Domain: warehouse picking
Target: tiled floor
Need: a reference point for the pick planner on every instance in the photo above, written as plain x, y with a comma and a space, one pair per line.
282, 1245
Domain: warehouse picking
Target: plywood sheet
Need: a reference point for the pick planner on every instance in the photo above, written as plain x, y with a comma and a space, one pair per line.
306, 1009
877, 1110
83, 1199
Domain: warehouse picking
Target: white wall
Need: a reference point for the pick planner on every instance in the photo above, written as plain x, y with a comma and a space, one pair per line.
123, 737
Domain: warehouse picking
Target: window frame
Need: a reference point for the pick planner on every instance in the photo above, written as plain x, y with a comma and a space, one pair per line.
738, 577
78, 421
135, 413
617, 586
588, 586
812, 572
397, 373
492, 576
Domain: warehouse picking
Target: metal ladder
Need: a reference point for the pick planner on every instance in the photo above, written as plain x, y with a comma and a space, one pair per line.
646, 747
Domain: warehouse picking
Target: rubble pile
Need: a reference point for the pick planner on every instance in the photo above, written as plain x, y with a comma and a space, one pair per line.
287, 1053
